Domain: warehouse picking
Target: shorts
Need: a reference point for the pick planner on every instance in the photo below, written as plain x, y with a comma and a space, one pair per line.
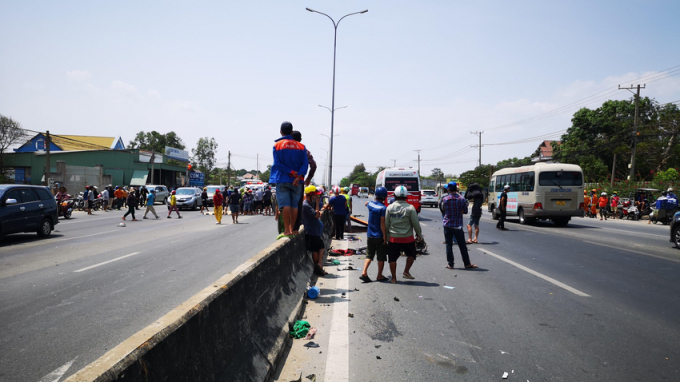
288, 195
474, 220
314, 243
394, 250
374, 246
246, 206
89, 204
233, 208
614, 208
267, 203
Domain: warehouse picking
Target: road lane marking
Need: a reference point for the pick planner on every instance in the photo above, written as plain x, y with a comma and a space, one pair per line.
338, 339
59, 372
105, 262
537, 274
630, 250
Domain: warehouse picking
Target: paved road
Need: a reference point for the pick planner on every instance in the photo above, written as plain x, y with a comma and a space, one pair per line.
61, 299
595, 301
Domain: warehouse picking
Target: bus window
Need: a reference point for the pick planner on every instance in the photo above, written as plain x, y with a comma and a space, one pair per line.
411, 184
491, 185
560, 178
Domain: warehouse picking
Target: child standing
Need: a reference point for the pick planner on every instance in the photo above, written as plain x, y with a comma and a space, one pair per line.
313, 229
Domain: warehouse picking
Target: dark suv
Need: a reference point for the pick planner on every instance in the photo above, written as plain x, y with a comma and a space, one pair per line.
26, 208
675, 229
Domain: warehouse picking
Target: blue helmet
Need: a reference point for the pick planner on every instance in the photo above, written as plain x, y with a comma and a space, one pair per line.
381, 192
452, 184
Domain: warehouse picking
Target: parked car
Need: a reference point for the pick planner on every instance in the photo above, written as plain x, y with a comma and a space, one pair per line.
188, 197
162, 193
211, 192
429, 198
26, 208
675, 230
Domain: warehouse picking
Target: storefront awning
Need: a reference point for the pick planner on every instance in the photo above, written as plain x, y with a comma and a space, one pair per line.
139, 178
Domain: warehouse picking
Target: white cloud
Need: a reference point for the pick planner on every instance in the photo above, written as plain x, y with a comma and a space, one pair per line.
78, 75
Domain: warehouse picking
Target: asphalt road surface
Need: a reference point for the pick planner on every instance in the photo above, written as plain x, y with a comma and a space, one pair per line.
593, 301
71, 297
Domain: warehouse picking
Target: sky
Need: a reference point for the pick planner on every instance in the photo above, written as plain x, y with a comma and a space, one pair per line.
414, 75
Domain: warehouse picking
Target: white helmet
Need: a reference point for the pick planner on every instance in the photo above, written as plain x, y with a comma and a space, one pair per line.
604, 194
400, 192
670, 189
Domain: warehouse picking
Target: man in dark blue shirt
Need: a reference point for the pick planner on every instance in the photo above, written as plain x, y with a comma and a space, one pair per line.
338, 204
376, 235
454, 206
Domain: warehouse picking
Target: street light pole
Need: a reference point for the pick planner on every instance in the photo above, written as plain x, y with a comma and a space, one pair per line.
335, 39
330, 183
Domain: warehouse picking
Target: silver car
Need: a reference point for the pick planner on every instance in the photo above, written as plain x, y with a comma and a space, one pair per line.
211, 192
162, 193
188, 197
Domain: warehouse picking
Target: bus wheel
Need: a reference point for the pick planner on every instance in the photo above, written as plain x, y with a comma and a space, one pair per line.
522, 218
561, 222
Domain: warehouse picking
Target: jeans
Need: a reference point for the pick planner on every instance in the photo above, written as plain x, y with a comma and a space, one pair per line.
459, 235
339, 221
501, 220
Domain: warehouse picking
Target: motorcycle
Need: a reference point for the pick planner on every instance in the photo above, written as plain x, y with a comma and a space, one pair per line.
79, 202
65, 207
629, 211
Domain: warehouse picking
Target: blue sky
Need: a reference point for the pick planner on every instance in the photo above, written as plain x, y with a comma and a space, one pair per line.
414, 75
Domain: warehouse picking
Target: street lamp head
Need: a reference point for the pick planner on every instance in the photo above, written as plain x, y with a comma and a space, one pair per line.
311, 10
359, 12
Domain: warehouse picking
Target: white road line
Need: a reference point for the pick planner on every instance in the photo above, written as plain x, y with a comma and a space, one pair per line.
537, 274
630, 250
59, 372
338, 340
106, 262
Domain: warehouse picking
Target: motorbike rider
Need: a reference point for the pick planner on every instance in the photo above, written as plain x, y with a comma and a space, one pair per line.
671, 195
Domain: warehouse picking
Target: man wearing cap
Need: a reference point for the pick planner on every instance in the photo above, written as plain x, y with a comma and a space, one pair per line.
454, 206
313, 228
149, 204
503, 206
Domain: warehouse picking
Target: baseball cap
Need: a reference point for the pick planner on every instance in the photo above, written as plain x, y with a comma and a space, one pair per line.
506, 187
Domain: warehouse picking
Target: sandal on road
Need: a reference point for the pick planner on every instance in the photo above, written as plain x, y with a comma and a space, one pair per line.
382, 279
408, 277
469, 241
449, 267
471, 266
365, 278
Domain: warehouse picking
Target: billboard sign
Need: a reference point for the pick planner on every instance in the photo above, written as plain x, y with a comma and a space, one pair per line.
196, 179
177, 154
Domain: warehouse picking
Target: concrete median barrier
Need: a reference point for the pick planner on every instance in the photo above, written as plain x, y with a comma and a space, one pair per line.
234, 330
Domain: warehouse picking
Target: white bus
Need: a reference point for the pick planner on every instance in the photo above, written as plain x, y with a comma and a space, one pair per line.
390, 178
541, 191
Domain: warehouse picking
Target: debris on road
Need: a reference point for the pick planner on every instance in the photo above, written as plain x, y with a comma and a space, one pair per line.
313, 292
377, 357
311, 377
300, 329
335, 262
504, 352
448, 287
350, 315
310, 334
121, 225
312, 344
505, 375
396, 299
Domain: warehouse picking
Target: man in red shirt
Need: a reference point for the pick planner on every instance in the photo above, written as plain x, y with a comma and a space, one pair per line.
615, 205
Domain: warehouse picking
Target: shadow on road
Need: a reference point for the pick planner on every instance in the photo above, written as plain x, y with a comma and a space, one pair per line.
25, 238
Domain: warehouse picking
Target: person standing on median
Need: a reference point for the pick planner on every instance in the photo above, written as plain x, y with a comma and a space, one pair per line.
312, 170
376, 235
173, 205
401, 219
454, 207
338, 204
503, 206
217, 203
289, 169
313, 229
150, 199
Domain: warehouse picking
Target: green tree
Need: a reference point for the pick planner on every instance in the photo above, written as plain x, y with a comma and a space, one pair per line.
670, 175
265, 175
11, 133
480, 175
155, 141
203, 156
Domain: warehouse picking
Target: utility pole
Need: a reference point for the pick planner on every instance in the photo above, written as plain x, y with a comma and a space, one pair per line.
613, 169
257, 166
395, 162
153, 158
478, 133
631, 177
418, 161
47, 157
229, 170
